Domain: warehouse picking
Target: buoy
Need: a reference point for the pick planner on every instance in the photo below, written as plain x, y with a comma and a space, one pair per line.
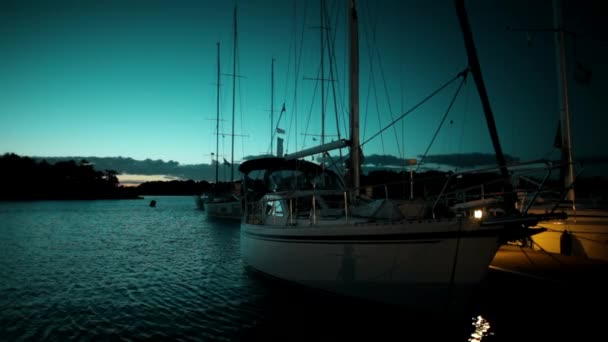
152, 203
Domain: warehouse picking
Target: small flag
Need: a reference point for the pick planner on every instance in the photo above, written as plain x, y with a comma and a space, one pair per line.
280, 130
226, 162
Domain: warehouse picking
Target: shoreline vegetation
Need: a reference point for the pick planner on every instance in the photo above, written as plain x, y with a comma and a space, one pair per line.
29, 179
25, 178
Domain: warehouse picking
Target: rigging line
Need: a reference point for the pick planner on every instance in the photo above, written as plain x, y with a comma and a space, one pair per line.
371, 55
319, 79
527, 256
401, 91
416, 106
292, 43
234, 62
464, 122
463, 73
240, 104
322, 41
464, 79
371, 82
378, 116
548, 254
331, 41
388, 101
297, 67
314, 95
331, 56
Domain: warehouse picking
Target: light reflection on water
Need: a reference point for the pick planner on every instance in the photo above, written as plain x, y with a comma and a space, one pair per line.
109, 270
482, 327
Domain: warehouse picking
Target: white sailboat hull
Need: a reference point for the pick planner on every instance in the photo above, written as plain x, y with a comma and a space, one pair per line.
395, 263
589, 231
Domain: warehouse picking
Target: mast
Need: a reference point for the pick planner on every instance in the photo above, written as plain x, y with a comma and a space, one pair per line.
475, 69
217, 119
355, 149
233, 98
322, 30
272, 109
562, 79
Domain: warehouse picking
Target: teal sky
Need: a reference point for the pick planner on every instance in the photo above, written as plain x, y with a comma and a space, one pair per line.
138, 78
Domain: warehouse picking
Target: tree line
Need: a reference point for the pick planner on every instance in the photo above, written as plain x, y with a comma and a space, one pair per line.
23, 178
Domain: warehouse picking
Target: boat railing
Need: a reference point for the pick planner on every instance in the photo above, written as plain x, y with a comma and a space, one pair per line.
479, 195
291, 208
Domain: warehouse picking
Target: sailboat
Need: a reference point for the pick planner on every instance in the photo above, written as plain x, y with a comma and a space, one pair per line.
584, 232
308, 225
224, 199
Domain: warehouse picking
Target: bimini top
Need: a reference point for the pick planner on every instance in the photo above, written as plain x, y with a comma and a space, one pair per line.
276, 163
280, 174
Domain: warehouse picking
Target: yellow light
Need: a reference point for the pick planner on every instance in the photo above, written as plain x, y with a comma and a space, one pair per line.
478, 214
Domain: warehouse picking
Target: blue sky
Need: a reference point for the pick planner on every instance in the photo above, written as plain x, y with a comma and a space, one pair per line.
138, 78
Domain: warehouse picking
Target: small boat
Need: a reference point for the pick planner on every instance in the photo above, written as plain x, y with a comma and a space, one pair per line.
586, 225
224, 199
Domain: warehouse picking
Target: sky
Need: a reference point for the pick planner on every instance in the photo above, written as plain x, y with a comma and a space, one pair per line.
138, 79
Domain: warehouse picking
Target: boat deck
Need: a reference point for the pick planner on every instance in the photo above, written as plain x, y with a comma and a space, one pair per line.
549, 267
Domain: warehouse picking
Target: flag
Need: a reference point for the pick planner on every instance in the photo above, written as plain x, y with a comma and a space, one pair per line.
280, 130
226, 162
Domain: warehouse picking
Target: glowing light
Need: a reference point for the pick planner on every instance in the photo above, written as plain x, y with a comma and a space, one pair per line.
478, 214
481, 329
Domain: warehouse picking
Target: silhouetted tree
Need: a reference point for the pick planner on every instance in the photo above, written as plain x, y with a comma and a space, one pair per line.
24, 178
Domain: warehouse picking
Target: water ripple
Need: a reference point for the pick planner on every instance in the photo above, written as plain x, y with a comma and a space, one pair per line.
119, 270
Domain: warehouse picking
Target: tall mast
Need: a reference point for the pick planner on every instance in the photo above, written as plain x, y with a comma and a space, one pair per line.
355, 149
272, 108
475, 69
560, 55
217, 119
233, 97
322, 30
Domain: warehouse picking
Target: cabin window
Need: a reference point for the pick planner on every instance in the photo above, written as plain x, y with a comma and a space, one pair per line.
274, 208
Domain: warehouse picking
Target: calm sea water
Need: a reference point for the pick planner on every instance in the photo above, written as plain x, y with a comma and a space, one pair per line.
120, 270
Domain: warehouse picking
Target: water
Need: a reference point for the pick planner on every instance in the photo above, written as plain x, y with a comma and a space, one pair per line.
120, 270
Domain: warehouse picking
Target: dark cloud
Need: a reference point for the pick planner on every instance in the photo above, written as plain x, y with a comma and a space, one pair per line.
372, 162
466, 160
384, 160
375, 161
152, 167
